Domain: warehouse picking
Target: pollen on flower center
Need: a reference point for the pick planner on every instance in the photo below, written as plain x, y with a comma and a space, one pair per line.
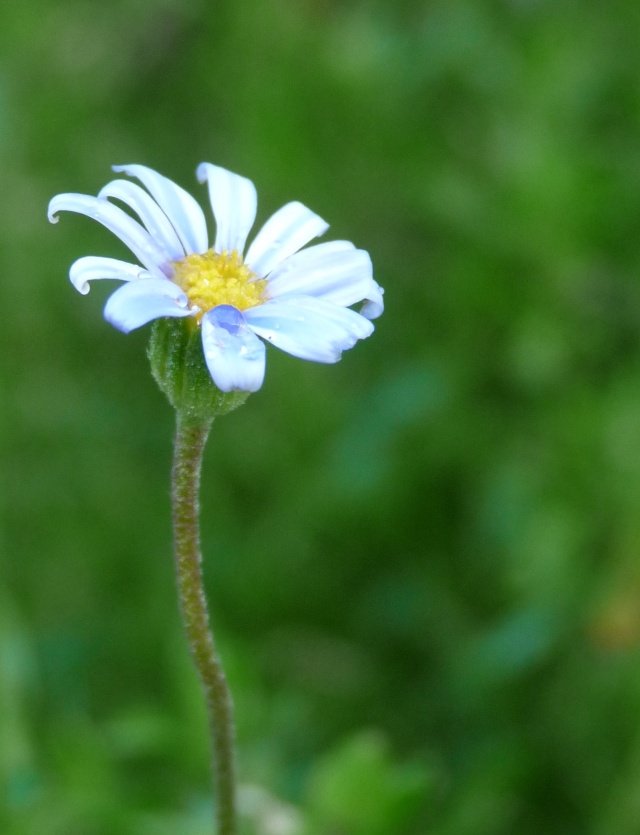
215, 278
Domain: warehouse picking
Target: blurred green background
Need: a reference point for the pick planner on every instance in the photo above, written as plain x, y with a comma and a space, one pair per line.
424, 562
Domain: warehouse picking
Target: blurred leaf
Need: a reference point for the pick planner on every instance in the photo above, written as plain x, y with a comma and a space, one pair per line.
358, 789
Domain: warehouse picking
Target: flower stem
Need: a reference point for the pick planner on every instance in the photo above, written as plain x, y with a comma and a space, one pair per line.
187, 463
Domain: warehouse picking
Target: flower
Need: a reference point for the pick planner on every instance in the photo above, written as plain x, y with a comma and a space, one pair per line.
297, 299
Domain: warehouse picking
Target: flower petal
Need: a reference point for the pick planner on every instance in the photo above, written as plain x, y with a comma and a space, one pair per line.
234, 202
138, 302
152, 216
287, 231
234, 355
179, 206
309, 328
335, 271
93, 267
374, 303
126, 228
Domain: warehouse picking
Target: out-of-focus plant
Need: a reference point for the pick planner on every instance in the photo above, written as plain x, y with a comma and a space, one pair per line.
209, 303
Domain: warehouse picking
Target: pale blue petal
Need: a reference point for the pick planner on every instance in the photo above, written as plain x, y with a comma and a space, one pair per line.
124, 227
309, 328
335, 271
152, 216
234, 355
234, 202
93, 267
374, 303
287, 231
139, 302
179, 206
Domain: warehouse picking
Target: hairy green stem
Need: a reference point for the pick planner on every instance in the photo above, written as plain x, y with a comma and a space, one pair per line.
187, 463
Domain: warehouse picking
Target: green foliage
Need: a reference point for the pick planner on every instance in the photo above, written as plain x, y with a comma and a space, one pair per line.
435, 541
357, 789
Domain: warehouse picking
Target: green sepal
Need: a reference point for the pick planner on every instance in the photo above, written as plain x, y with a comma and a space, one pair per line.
178, 366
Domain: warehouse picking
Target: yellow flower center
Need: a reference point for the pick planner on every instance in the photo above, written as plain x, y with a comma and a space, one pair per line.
215, 278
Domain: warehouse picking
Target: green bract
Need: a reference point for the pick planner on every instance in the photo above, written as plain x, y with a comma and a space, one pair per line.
178, 365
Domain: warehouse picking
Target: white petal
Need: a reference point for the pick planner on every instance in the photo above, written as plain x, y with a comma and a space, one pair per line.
126, 228
234, 355
179, 206
138, 302
234, 202
287, 231
93, 267
334, 271
309, 328
157, 223
374, 303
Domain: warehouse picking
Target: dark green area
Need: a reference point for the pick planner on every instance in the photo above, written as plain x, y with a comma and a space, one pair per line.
424, 562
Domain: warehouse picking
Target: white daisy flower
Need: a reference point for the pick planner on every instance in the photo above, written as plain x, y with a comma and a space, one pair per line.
297, 299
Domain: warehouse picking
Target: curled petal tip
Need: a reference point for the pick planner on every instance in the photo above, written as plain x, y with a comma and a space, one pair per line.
373, 306
52, 213
201, 172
